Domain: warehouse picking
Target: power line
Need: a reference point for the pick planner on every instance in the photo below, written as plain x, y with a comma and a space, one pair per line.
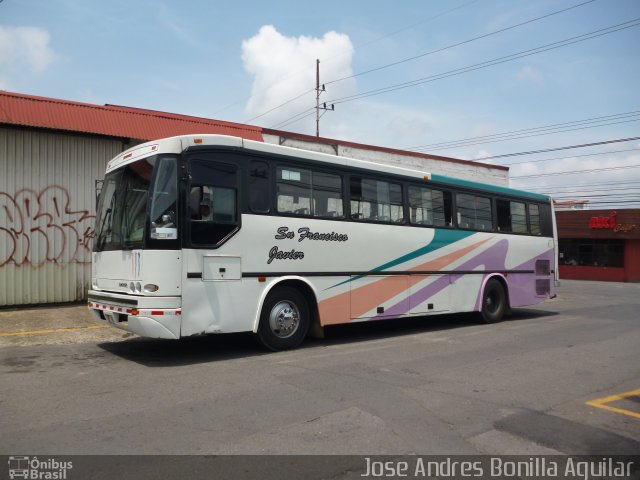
496, 61
560, 193
300, 116
366, 44
489, 63
571, 172
559, 148
495, 32
280, 106
569, 188
536, 134
615, 202
563, 191
572, 156
635, 194
524, 133
619, 182
335, 56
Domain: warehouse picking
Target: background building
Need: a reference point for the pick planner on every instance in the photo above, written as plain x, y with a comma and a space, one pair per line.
599, 244
53, 151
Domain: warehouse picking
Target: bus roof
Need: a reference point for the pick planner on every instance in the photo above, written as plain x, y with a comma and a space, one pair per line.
180, 143
458, 182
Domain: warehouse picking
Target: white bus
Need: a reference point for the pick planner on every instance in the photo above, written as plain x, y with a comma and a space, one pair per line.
205, 234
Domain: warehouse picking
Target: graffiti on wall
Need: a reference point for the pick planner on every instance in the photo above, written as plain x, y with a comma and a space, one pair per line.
41, 227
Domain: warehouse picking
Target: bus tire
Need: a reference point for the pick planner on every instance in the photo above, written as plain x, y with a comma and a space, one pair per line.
494, 301
284, 320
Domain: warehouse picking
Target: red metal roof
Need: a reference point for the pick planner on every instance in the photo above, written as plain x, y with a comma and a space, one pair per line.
111, 120
141, 124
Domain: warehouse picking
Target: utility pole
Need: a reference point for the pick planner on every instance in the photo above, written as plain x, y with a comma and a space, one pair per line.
324, 106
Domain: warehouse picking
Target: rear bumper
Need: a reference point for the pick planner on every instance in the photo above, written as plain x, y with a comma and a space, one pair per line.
153, 317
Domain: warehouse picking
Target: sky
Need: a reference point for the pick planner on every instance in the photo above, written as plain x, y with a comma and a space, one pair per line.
457, 70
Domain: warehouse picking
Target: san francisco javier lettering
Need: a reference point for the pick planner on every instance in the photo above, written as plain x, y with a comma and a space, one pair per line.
305, 233
276, 254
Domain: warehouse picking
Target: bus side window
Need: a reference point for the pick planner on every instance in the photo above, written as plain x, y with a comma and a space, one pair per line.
294, 191
512, 216
307, 192
375, 200
327, 195
534, 219
474, 212
429, 207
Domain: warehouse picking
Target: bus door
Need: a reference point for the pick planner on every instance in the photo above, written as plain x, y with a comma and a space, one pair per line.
212, 261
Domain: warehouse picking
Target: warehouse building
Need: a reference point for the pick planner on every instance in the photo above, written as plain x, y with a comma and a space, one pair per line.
53, 151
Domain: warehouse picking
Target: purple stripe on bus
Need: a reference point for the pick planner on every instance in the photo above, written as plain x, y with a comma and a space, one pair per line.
493, 258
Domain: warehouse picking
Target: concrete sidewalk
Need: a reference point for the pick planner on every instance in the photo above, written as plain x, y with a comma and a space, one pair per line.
57, 324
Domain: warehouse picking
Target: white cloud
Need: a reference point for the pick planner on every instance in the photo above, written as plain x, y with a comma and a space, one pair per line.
284, 67
24, 49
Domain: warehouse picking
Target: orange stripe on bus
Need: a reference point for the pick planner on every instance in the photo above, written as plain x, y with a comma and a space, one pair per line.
339, 309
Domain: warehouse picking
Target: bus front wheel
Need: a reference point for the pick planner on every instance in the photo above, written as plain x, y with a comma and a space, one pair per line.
494, 301
284, 320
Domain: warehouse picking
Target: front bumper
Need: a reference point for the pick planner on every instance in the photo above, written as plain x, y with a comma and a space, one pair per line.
153, 317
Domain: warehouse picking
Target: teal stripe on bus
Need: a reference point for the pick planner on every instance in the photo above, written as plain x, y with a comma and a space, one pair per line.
456, 182
441, 238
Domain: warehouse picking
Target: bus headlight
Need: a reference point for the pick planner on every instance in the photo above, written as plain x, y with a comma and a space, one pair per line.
138, 287
151, 288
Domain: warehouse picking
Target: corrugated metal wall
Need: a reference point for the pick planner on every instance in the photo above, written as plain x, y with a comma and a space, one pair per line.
47, 213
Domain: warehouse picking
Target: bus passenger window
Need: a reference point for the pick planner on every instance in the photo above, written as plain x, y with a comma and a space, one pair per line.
512, 216
429, 207
534, 219
327, 195
375, 200
306, 192
474, 212
294, 191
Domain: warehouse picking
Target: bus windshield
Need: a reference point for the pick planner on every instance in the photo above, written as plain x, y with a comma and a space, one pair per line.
123, 205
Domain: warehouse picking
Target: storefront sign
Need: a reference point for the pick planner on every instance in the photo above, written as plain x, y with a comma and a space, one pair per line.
610, 223
604, 222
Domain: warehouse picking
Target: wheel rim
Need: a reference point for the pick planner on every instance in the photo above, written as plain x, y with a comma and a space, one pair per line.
284, 319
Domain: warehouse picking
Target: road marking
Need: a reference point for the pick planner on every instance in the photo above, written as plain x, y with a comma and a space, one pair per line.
602, 403
57, 330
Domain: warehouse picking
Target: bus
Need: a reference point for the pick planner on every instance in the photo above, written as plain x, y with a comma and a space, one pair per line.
205, 234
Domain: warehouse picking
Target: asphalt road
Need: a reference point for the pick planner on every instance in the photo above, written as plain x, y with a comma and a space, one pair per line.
439, 385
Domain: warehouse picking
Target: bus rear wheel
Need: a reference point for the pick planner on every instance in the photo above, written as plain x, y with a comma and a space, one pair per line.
284, 320
494, 302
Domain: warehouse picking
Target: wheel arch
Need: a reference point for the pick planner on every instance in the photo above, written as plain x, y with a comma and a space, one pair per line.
503, 280
300, 284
